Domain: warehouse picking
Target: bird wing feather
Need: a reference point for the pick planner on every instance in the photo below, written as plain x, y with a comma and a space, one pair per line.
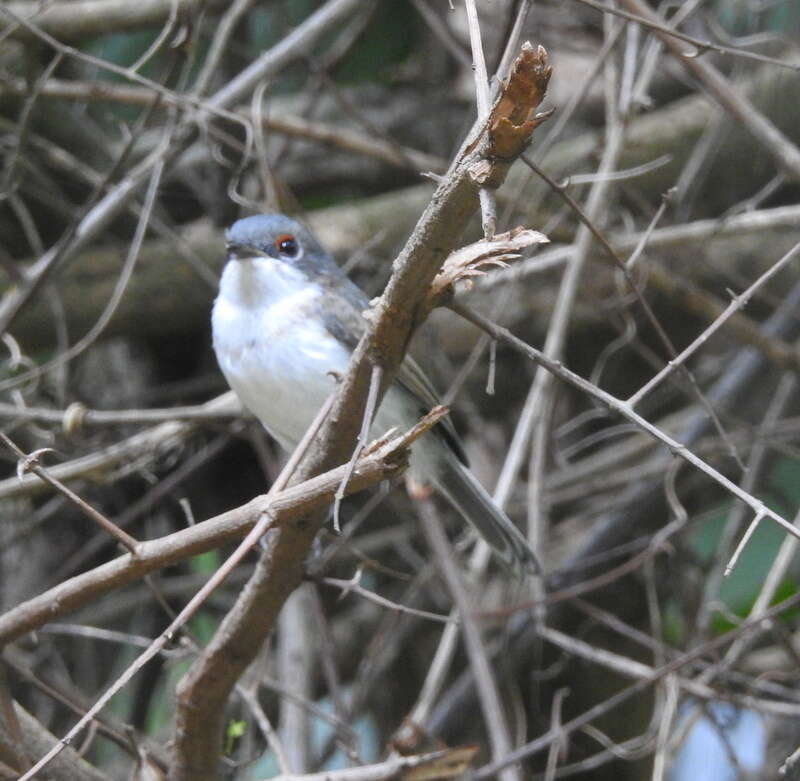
347, 325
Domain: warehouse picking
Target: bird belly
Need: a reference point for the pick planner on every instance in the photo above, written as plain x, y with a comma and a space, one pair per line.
282, 374
283, 369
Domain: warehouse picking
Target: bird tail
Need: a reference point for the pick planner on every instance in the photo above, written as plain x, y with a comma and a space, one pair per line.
470, 498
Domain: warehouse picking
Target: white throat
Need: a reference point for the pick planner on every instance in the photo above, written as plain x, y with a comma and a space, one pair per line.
261, 282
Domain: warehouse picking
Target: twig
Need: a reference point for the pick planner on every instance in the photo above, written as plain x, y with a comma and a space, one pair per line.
665, 238
394, 317
287, 505
363, 438
288, 48
205, 688
32, 95
539, 405
261, 526
652, 22
354, 586
167, 31
632, 668
443, 32
296, 664
119, 288
543, 741
76, 415
267, 730
334, 135
100, 17
30, 463
487, 199
622, 408
146, 443
267, 519
650, 314
449, 763
511, 46
219, 44
783, 151
558, 747
9, 723
494, 718
738, 302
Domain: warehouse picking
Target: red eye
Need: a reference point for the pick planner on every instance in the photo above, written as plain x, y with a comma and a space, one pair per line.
287, 245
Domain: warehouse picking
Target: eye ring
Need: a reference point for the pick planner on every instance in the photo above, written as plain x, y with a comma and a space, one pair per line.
287, 245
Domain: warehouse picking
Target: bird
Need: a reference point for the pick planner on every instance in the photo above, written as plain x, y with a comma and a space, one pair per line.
284, 325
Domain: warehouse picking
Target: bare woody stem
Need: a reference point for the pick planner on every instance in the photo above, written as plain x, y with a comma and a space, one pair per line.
483, 161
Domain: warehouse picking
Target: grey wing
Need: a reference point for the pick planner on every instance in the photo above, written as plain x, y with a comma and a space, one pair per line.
416, 382
343, 318
346, 323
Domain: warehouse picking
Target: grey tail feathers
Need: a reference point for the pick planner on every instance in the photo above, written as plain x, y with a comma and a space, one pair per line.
470, 498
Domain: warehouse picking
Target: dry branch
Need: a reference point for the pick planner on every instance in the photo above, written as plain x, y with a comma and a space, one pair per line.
148, 444
71, 21
204, 691
769, 137
436, 766
289, 505
166, 290
68, 766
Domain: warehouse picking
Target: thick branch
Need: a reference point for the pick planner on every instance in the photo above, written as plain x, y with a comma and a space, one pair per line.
289, 505
68, 766
204, 690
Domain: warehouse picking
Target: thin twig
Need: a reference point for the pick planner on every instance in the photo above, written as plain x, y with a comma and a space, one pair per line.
286, 505
494, 718
785, 154
487, 199
588, 222
262, 525
354, 586
738, 302
363, 438
623, 409
588, 716
30, 463
651, 22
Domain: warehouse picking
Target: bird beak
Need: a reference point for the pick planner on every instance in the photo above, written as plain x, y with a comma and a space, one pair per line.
242, 251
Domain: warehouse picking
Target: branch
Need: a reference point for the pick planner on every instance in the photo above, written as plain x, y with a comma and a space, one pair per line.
784, 152
288, 49
266, 522
483, 162
760, 510
150, 442
75, 20
68, 766
204, 690
334, 135
617, 699
289, 505
450, 763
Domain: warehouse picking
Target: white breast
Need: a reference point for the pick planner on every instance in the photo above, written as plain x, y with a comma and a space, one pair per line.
275, 356
279, 358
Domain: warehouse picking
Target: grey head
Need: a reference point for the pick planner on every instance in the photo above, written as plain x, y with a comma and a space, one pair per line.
279, 237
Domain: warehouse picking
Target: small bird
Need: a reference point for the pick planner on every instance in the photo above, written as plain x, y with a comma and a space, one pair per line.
286, 321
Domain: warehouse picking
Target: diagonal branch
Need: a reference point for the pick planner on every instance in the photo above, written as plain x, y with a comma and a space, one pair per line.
760, 510
288, 505
784, 152
483, 161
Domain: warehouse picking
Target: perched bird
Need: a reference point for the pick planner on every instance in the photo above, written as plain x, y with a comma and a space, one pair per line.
287, 319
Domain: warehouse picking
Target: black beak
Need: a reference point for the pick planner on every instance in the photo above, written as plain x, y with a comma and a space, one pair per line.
238, 251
